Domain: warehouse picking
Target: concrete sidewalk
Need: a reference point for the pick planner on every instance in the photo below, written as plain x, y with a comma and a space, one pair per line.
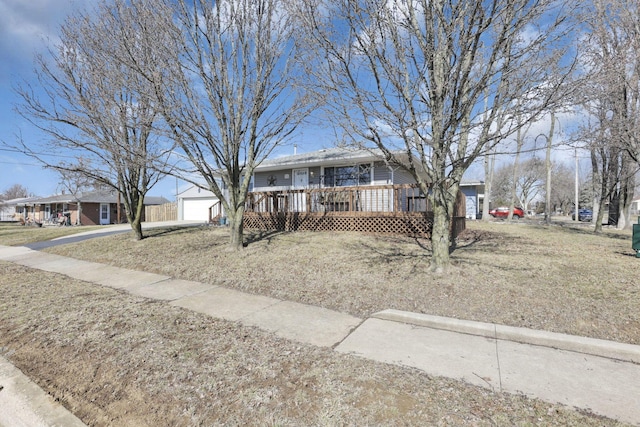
601, 376
596, 375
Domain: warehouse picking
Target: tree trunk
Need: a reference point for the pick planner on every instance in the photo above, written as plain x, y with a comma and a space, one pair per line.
614, 209
440, 240
136, 226
236, 230
136, 219
516, 173
489, 162
622, 219
627, 184
598, 187
79, 218
547, 164
443, 206
134, 208
599, 217
514, 187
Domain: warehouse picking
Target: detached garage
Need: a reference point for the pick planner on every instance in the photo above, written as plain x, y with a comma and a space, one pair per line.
194, 204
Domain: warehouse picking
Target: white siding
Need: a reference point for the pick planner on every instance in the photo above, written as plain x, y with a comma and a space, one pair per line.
401, 176
381, 174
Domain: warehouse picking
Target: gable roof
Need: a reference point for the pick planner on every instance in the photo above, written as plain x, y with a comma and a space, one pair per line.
340, 156
104, 196
15, 202
323, 157
195, 192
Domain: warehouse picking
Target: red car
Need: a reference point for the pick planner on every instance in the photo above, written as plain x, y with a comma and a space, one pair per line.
503, 212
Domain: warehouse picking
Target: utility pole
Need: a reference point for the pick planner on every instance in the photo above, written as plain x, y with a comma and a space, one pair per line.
547, 164
576, 214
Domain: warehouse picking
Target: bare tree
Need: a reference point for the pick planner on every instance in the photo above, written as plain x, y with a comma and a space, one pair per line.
433, 79
14, 191
622, 180
612, 168
502, 184
90, 105
605, 172
611, 52
562, 191
489, 163
231, 93
520, 140
519, 184
548, 169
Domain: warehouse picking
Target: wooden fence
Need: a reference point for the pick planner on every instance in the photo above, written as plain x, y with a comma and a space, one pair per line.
156, 213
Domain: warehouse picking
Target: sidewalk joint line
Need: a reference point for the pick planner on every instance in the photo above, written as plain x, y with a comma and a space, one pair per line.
241, 319
351, 331
495, 331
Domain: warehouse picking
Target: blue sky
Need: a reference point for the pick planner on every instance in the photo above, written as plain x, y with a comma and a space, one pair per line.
27, 27
24, 27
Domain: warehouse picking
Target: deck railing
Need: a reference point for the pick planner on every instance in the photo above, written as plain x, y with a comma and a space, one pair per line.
380, 199
215, 211
398, 209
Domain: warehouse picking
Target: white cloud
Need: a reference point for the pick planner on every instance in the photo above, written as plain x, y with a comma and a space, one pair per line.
24, 25
26, 22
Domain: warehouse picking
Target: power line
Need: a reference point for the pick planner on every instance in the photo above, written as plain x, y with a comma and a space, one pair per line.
20, 164
15, 150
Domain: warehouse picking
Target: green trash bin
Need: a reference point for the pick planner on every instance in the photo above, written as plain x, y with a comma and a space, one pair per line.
635, 238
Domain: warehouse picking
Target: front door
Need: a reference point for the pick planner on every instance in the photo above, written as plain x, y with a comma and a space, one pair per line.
298, 202
105, 212
301, 178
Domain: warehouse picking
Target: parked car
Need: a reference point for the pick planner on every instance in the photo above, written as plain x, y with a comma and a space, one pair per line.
583, 215
503, 212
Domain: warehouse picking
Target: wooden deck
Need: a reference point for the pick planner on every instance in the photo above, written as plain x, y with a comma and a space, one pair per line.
396, 209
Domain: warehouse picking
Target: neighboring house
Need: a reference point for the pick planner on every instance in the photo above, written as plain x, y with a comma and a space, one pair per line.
327, 190
8, 208
91, 208
5, 211
474, 198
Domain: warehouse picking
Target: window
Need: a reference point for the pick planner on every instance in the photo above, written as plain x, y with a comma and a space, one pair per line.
345, 176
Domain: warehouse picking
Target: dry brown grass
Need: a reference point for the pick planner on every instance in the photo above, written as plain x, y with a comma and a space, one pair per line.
560, 278
119, 360
13, 234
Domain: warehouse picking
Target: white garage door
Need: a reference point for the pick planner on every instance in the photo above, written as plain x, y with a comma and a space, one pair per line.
197, 209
